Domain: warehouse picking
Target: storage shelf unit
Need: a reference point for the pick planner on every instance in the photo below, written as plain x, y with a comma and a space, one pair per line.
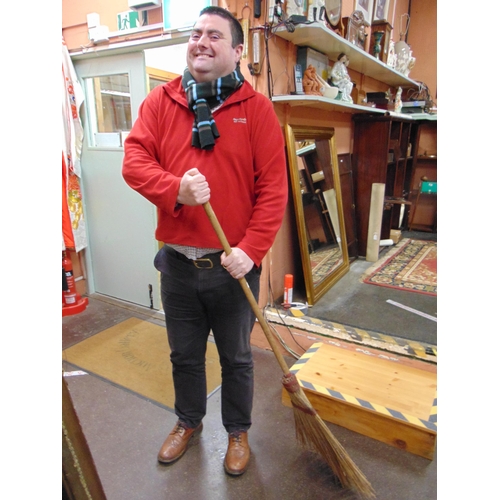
327, 104
320, 38
383, 153
377, 132
424, 217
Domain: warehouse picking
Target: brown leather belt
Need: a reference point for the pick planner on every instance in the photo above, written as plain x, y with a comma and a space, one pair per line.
206, 262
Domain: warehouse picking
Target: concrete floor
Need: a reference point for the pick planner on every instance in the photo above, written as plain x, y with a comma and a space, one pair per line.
352, 303
124, 432
369, 307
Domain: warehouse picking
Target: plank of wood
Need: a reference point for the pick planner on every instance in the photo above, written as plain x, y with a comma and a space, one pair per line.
375, 221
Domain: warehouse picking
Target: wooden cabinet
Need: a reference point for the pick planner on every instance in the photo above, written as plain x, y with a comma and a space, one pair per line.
347, 187
424, 217
383, 152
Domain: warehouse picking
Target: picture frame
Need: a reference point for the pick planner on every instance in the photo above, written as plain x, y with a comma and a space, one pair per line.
381, 10
366, 8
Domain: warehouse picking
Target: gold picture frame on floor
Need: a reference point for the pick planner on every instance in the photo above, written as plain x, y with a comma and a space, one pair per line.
312, 160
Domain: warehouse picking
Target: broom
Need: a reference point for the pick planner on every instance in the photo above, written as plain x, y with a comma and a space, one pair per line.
310, 429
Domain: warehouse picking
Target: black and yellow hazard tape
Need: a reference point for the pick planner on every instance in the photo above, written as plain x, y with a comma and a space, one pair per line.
419, 350
430, 423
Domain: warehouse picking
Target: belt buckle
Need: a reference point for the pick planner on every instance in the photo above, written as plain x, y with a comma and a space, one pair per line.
199, 263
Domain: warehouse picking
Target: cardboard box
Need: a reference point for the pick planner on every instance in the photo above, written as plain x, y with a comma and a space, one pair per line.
395, 235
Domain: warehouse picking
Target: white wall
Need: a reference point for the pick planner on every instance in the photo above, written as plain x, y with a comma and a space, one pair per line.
171, 58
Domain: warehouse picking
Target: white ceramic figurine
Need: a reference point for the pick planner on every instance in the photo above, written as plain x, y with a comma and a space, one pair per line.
341, 79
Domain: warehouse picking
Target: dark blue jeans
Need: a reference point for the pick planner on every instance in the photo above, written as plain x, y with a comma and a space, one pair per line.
197, 301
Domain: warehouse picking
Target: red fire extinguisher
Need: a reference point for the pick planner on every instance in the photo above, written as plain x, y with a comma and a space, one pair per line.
70, 295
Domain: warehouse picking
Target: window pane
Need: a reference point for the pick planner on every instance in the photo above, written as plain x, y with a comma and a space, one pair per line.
110, 116
154, 82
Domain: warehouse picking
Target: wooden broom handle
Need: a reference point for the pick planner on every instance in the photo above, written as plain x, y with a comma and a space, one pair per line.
246, 288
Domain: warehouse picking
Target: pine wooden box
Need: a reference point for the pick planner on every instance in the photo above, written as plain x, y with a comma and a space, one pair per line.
384, 399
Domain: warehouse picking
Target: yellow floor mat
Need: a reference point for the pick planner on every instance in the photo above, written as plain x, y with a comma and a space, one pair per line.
135, 354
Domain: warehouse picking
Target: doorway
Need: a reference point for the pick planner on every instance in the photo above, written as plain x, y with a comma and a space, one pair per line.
120, 222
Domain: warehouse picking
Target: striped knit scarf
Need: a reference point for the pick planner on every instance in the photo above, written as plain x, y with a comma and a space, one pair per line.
202, 97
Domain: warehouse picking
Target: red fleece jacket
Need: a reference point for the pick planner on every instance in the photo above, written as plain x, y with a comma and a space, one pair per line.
246, 170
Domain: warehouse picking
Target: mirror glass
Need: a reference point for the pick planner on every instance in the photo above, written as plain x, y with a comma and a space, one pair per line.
314, 175
333, 10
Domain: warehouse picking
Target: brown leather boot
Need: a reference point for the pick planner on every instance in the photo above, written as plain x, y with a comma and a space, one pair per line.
176, 443
238, 453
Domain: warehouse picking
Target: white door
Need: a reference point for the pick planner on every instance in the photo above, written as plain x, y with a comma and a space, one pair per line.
120, 222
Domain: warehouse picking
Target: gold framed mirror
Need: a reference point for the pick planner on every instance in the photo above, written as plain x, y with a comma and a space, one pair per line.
315, 181
333, 10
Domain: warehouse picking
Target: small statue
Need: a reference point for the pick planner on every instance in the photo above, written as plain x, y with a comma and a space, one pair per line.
310, 81
398, 102
341, 79
391, 55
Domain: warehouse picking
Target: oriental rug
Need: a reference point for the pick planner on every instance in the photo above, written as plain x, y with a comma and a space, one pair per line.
410, 266
135, 355
324, 261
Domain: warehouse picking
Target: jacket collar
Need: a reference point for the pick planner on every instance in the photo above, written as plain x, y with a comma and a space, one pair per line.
175, 91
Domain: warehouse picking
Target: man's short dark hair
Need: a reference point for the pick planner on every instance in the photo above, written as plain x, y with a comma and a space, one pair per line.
236, 29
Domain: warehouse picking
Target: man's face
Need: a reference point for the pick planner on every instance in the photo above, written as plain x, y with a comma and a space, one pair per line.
210, 54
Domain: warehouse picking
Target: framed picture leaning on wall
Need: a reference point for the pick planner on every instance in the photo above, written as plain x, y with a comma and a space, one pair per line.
381, 10
366, 7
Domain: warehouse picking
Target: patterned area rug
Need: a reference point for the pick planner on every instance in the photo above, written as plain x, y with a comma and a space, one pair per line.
323, 262
411, 266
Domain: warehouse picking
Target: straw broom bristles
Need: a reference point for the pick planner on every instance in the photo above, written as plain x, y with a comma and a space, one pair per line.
313, 433
310, 430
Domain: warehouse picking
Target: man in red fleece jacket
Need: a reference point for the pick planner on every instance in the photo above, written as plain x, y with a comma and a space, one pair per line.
209, 136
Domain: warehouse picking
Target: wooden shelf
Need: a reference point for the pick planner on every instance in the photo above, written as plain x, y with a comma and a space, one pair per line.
327, 104
423, 116
317, 36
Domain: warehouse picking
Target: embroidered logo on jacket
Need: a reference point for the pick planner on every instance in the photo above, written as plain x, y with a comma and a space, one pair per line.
239, 120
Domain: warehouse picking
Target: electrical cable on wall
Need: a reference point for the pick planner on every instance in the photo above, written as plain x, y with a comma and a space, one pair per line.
271, 301
270, 85
421, 94
269, 30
